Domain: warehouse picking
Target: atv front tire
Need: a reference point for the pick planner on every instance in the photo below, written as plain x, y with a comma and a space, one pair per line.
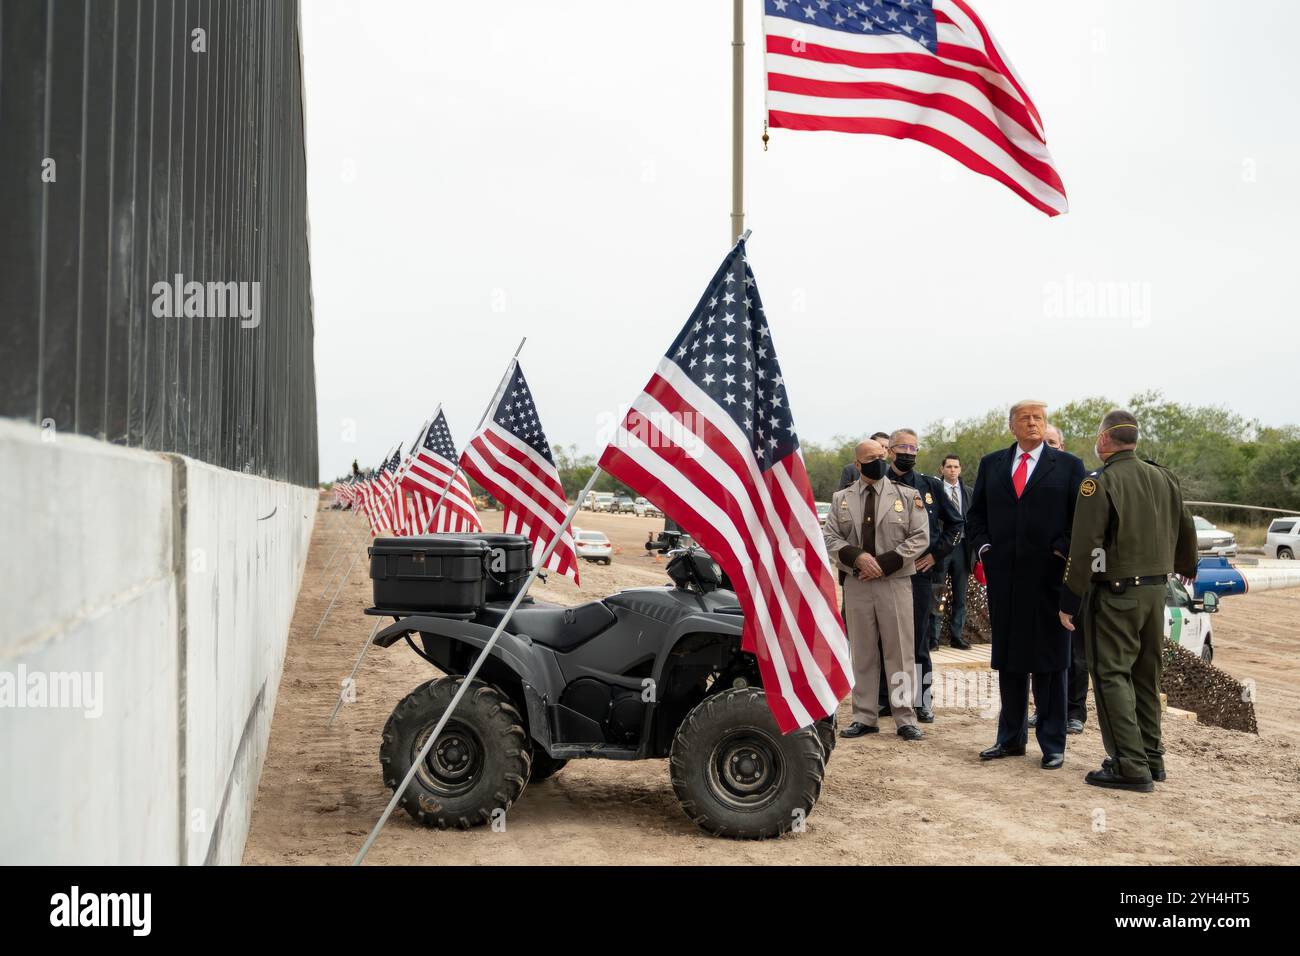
479, 765
736, 775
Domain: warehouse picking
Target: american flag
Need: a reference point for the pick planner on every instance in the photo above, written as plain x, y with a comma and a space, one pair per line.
380, 494
927, 70
426, 476
711, 441
511, 458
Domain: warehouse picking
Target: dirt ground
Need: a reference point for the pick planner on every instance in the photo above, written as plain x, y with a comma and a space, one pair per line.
1231, 798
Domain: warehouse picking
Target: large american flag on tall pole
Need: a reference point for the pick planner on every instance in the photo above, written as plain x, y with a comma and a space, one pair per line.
511, 458
427, 475
927, 70
712, 442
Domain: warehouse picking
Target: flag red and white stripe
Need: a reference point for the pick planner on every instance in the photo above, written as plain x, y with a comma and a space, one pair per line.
511, 458
948, 84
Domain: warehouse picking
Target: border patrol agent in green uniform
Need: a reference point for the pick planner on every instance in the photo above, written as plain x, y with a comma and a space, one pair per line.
1130, 531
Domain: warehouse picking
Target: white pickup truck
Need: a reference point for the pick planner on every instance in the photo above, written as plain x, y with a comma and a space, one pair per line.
1187, 620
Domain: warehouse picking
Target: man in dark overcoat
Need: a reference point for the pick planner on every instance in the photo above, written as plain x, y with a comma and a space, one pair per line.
1019, 525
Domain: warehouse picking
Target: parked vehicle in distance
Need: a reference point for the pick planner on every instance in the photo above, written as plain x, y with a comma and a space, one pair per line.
1283, 539
1212, 540
1187, 619
598, 501
644, 509
823, 509
593, 546
623, 505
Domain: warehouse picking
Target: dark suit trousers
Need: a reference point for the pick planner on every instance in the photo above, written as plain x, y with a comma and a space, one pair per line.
955, 565
922, 592
1077, 707
1049, 702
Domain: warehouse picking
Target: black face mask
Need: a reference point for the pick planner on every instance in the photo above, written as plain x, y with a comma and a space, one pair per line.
875, 470
904, 463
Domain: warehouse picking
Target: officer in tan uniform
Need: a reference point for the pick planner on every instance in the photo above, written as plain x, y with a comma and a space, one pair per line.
875, 531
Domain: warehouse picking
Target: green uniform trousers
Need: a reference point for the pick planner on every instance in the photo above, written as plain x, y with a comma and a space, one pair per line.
1124, 640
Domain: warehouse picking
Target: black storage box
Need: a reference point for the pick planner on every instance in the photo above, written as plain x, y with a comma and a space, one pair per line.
509, 562
438, 572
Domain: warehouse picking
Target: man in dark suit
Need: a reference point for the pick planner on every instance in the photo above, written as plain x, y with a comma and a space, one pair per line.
1019, 525
957, 564
849, 474
946, 528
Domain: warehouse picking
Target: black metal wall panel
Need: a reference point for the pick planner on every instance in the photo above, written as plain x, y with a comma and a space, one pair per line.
168, 159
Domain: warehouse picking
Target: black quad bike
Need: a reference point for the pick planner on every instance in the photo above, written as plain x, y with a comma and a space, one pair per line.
647, 672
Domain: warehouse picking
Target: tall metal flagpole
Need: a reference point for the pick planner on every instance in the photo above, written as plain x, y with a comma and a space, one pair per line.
361, 655
469, 676
737, 111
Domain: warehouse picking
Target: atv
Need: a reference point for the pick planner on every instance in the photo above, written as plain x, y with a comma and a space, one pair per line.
646, 673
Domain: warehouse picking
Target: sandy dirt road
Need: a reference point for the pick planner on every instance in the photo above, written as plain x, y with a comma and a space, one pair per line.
1231, 798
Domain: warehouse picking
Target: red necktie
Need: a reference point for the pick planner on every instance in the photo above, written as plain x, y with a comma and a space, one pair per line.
1022, 474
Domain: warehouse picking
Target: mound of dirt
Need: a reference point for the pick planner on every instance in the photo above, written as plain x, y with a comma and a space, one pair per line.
1216, 698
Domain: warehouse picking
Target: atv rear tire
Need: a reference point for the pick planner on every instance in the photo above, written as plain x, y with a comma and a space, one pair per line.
544, 765
479, 766
736, 775
828, 731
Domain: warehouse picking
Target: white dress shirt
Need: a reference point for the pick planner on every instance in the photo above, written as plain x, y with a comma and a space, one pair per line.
1033, 459
951, 487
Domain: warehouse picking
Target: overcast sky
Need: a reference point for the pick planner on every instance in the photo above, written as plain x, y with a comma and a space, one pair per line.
562, 171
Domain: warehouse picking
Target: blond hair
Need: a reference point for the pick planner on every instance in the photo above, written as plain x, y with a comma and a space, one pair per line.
1022, 405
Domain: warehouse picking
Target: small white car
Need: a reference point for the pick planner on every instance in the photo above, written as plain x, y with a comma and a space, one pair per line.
1187, 620
593, 546
642, 508
1212, 540
1283, 539
823, 509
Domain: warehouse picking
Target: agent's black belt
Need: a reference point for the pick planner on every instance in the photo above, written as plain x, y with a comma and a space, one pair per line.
1141, 580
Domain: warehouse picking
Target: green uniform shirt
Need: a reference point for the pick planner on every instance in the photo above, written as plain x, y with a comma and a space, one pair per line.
1129, 521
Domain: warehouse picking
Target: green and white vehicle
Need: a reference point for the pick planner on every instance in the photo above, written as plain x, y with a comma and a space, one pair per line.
1187, 620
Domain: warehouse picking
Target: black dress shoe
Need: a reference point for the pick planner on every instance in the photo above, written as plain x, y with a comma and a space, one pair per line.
1104, 778
925, 715
960, 644
1074, 726
997, 752
1053, 761
857, 729
1157, 775
908, 732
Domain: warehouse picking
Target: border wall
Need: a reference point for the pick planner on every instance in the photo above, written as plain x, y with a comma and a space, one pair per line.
157, 419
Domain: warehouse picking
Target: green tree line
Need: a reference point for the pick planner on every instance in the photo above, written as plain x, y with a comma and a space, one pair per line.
1217, 454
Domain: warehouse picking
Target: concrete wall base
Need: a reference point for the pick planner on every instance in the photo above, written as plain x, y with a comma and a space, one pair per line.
147, 601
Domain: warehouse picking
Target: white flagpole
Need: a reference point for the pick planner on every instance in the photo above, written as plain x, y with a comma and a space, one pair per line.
470, 674
737, 115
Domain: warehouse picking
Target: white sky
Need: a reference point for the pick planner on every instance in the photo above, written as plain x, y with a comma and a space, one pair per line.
562, 170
